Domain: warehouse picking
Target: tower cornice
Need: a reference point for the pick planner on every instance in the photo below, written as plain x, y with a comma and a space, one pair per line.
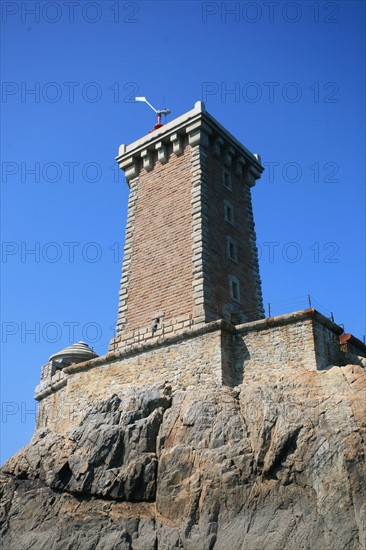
201, 128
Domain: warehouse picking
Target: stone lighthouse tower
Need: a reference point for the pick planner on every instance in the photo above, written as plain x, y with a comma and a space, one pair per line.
190, 304
190, 253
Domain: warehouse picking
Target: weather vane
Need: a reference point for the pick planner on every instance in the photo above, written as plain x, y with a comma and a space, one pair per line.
159, 112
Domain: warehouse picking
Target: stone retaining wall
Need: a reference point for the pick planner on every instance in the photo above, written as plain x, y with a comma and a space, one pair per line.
183, 361
216, 353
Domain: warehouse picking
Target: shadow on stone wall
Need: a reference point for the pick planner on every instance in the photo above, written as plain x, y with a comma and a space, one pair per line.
235, 354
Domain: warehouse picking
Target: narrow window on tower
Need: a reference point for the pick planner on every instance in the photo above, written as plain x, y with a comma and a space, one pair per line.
226, 179
229, 212
234, 288
232, 249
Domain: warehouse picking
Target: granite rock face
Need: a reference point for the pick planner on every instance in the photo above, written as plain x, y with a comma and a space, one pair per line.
277, 462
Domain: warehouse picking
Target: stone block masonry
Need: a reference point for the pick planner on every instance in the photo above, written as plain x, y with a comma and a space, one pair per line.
190, 358
159, 251
242, 264
213, 354
177, 269
304, 339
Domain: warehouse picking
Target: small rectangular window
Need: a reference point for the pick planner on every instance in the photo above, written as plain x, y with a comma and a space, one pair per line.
229, 212
226, 179
231, 249
234, 288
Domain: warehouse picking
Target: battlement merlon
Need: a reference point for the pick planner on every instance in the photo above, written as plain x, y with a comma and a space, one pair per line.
201, 128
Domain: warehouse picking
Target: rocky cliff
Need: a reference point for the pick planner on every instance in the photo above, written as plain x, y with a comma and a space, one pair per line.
275, 463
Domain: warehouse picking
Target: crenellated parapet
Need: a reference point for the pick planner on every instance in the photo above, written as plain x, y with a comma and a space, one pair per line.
196, 127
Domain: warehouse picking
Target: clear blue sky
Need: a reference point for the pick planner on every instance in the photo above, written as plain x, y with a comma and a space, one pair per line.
296, 76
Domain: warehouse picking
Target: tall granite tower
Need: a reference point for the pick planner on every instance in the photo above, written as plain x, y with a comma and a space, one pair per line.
190, 252
190, 306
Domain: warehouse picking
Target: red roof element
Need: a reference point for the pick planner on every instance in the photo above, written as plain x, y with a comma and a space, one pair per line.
343, 338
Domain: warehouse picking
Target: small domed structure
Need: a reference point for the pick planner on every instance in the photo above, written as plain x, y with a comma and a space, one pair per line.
76, 353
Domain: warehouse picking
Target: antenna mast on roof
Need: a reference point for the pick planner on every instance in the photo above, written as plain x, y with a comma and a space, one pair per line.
159, 112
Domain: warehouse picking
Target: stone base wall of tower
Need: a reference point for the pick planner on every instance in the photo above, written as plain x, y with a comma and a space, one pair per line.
303, 339
194, 357
217, 353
